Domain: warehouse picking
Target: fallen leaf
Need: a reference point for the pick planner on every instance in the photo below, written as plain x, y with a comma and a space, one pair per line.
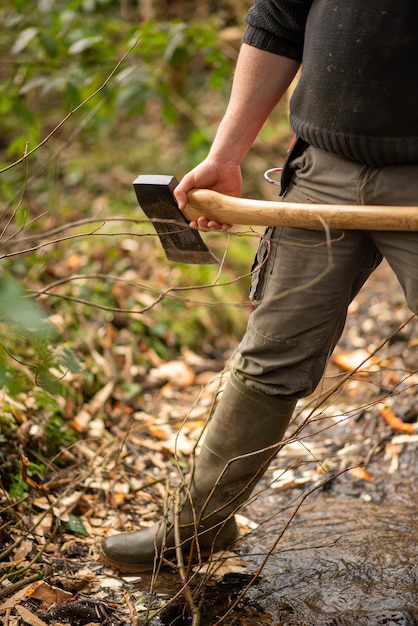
394, 421
29, 617
206, 378
11, 602
22, 551
86, 576
119, 497
96, 429
66, 505
359, 360
160, 431
81, 420
287, 479
111, 583
42, 591
86, 414
74, 262
360, 473
43, 523
222, 563
178, 373
392, 452
246, 525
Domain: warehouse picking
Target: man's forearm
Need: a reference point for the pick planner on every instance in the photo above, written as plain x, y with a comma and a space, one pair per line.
261, 79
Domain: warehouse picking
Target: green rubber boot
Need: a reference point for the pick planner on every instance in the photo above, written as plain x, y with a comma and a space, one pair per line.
232, 459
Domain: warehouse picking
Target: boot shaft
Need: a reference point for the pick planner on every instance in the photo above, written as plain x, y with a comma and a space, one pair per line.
241, 439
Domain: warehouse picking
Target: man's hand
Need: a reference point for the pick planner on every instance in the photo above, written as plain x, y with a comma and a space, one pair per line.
210, 174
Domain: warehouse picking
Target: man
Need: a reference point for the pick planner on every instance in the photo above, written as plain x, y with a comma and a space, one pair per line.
354, 112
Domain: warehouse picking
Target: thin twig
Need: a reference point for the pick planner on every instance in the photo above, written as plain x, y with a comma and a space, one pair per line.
27, 154
188, 596
5, 591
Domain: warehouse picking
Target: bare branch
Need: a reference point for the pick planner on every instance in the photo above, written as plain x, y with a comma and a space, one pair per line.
29, 153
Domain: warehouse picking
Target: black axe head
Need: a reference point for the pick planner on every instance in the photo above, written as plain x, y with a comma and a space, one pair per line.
180, 242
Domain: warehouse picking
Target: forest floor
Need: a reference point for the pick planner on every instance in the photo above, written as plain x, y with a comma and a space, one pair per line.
330, 537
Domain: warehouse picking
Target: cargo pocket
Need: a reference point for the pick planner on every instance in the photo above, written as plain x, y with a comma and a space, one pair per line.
261, 267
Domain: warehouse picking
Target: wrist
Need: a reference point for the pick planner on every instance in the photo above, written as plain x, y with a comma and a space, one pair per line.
233, 140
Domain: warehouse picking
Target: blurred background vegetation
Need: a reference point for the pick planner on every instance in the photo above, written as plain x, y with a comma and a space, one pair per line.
92, 94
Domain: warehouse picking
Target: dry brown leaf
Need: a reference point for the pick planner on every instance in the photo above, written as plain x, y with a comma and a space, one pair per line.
43, 523
23, 550
96, 429
360, 473
150, 444
245, 524
287, 479
11, 602
111, 583
62, 507
178, 373
42, 591
207, 378
392, 453
221, 563
180, 444
359, 360
75, 261
29, 617
66, 505
172, 440
81, 420
160, 431
394, 421
86, 414
119, 497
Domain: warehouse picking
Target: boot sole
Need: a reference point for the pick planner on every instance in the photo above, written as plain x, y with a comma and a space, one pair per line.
128, 569
138, 569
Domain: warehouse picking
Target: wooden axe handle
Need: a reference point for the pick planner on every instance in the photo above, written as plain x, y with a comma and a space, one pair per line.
244, 211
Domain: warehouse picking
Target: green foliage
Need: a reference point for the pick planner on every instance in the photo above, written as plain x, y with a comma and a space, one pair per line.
22, 326
27, 352
17, 310
57, 54
75, 525
43, 437
18, 487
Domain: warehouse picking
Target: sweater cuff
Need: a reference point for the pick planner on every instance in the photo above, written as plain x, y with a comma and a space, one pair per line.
264, 40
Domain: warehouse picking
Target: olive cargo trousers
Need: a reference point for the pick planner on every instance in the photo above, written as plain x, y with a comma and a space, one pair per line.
304, 279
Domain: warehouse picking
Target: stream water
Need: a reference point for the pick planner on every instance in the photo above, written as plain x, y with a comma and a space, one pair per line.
341, 562
348, 557
350, 563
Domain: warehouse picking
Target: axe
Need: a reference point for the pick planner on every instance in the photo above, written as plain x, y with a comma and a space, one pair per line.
184, 244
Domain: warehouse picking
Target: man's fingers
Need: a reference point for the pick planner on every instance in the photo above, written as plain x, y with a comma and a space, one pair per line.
212, 225
181, 198
202, 223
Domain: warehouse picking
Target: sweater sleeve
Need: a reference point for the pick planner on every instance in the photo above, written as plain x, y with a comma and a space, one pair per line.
278, 26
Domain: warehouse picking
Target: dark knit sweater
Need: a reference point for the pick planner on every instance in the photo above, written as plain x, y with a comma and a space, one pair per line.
358, 93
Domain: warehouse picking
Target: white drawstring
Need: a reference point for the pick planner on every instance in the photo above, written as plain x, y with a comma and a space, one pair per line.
272, 180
